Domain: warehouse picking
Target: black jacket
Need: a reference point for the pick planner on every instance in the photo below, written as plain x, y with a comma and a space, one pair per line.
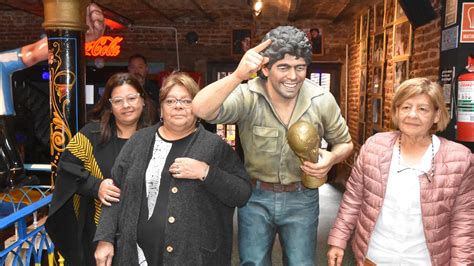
203, 210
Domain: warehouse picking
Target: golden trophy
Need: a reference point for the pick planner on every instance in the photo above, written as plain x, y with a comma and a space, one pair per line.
304, 140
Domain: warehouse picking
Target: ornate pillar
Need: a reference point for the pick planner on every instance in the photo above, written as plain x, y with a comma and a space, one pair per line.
65, 24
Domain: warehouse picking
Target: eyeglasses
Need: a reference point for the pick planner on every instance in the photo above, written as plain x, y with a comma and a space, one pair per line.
119, 101
428, 176
183, 102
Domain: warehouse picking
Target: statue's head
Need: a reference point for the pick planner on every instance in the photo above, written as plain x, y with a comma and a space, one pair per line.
286, 40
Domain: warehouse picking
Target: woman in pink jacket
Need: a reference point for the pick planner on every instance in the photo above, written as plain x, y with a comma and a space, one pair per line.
409, 199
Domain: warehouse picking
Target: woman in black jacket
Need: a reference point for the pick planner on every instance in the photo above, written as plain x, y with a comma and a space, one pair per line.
83, 181
179, 184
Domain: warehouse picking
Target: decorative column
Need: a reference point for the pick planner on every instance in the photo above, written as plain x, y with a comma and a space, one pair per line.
65, 24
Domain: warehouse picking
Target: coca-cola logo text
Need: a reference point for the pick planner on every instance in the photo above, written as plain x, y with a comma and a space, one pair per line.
104, 46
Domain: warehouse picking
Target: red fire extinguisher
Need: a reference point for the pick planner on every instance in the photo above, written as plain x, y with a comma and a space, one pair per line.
465, 103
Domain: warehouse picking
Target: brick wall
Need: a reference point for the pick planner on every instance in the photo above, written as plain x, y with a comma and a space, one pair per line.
20, 28
159, 45
423, 62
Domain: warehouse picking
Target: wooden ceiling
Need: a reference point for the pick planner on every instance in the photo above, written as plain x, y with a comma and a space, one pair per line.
145, 12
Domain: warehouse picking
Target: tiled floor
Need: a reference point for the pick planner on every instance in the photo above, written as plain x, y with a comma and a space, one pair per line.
329, 199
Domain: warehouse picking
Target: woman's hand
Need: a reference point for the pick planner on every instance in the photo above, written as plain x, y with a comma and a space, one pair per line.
104, 253
335, 255
187, 168
108, 192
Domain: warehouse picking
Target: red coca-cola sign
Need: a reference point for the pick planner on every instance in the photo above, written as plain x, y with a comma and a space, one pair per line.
105, 46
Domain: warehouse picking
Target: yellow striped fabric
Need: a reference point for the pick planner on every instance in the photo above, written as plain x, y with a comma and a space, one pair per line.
81, 148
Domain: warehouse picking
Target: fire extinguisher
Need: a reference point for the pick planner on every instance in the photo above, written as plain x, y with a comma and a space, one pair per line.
465, 103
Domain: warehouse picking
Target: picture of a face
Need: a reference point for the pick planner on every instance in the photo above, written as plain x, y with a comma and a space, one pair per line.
389, 12
378, 48
241, 41
315, 37
401, 74
377, 80
401, 39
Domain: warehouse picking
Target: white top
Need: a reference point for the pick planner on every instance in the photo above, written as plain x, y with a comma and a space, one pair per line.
161, 150
398, 237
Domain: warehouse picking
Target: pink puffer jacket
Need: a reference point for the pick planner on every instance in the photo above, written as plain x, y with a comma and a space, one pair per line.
447, 201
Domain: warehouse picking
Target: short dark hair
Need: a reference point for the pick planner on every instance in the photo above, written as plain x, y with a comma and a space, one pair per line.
286, 40
135, 56
102, 111
314, 29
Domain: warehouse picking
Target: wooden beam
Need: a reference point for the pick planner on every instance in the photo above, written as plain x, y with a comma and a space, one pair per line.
352, 9
34, 7
158, 11
206, 14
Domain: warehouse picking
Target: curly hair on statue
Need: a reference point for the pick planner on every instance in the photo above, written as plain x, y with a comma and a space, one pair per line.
287, 40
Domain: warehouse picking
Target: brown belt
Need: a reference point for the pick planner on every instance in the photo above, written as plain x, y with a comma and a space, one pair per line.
277, 187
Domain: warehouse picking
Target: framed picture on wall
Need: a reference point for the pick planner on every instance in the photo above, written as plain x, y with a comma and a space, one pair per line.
400, 73
315, 36
361, 137
357, 30
241, 41
361, 108
402, 39
377, 111
363, 81
389, 13
363, 53
399, 13
378, 16
377, 80
379, 46
364, 25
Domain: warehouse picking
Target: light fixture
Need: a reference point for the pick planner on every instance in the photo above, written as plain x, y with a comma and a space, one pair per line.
257, 7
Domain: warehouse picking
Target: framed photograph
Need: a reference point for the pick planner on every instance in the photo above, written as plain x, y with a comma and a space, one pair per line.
361, 108
389, 13
400, 73
378, 16
363, 53
315, 35
357, 30
363, 81
241, 41
361, 137
377, 80
364, 26
222, 74
379, 46
399, 13
377, 111
402, 39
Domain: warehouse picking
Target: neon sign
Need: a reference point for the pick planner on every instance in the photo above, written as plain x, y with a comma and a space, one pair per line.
105, 46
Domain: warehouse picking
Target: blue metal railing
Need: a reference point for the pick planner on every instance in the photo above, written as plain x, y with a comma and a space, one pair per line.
23, 203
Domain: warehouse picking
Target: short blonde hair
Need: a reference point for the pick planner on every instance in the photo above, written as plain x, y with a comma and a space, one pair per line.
178, 78
418, 86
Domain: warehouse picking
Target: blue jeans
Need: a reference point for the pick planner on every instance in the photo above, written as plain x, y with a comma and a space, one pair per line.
293, 215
